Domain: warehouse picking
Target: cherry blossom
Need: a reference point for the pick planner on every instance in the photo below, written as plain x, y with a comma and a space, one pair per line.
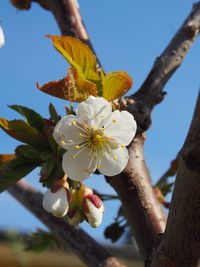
96, 138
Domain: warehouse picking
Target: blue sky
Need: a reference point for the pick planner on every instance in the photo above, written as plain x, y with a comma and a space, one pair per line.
127, 35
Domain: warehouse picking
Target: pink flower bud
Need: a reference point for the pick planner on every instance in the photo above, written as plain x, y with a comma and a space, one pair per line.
93, 209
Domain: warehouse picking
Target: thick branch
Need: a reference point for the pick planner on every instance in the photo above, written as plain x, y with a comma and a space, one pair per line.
180, 245
151, 92
142, 209
80, 242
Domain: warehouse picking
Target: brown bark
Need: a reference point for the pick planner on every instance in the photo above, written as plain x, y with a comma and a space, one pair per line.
180, 245
89, 251
151, 92
142, 209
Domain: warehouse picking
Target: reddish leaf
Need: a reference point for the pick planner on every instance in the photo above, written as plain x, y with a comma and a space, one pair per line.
72, 87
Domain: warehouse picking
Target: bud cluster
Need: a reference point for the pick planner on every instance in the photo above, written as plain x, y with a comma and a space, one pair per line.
76, 205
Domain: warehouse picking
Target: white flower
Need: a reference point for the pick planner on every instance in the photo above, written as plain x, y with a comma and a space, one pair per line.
56, 202
2, 38
93, 209
95, 139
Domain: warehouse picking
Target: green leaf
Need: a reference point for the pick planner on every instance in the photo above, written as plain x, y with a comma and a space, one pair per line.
14, 170
39, 241
24, 132
53, 113
33, 118
78, 54
29, 153
166, 188
51, 171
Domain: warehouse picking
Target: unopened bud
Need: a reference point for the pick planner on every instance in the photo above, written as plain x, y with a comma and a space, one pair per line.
93, 209
74, 217
56, 200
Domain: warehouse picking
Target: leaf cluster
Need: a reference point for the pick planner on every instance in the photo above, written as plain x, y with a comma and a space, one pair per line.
38, 149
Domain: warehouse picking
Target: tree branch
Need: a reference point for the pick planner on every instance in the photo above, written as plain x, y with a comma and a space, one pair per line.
67, 15
140, 205
80, 242
180, 245
151, 92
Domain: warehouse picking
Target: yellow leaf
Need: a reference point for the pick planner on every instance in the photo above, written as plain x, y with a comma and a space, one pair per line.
116, 84
72, 87
78, 54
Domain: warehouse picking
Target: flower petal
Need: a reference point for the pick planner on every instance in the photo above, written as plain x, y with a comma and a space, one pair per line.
66, 133
122, 127
2, 38
94, 111
78, 167
114, 161
56, 203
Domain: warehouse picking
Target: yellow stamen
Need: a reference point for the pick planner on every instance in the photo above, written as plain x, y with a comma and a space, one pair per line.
80, 134
77, 147
114, 121
86, 126
73, 157
115, 157
99, 166
74, 122
122, 146
62, 142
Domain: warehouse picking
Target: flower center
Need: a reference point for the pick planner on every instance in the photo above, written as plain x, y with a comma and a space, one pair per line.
97, 138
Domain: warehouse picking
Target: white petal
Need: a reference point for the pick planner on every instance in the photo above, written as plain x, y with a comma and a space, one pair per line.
2, 38
95, 215
80, 167
56, 203
66, 133
94, 111
114, 162
122, 127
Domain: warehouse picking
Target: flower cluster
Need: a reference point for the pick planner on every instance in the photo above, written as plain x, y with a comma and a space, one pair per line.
95, 139
76, 205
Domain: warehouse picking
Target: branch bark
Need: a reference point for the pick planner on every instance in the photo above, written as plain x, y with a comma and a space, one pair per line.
142, 209
151, 92
86, 248
180, 245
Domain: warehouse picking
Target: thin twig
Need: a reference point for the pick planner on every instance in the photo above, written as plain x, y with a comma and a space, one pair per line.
151, 92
